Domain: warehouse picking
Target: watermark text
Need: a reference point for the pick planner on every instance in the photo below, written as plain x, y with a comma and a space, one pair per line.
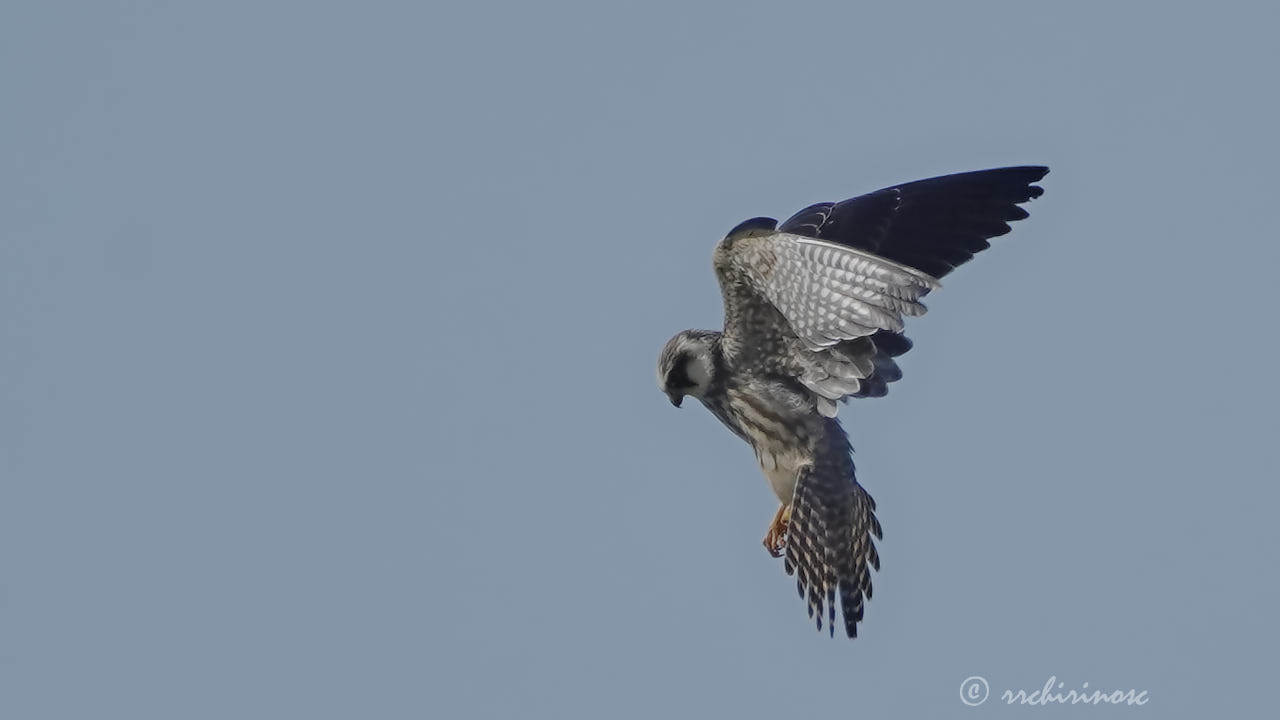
975, 690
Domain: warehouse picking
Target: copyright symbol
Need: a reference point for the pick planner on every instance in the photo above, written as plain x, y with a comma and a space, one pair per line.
974, 690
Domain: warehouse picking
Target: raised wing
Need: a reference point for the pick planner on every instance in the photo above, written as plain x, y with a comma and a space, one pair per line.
816, 311
823, 296
932, 225
827, 292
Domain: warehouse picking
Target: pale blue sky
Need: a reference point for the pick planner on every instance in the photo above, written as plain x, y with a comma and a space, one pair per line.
327, 336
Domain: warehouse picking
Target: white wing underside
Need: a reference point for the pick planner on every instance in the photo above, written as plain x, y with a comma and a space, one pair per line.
830, 294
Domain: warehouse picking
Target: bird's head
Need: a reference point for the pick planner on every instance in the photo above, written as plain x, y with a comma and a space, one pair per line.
686, 365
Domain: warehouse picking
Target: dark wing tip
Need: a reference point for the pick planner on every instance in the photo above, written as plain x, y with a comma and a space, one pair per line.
944, 221
1025, 174
933, 225
1037, 171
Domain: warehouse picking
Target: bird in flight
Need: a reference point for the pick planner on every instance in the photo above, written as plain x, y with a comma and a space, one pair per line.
813, 316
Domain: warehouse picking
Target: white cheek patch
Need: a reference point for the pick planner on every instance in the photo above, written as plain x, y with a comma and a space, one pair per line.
699, 370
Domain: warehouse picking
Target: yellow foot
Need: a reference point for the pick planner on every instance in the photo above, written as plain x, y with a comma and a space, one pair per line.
775, 541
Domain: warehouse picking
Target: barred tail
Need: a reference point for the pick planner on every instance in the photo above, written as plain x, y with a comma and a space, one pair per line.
831, 537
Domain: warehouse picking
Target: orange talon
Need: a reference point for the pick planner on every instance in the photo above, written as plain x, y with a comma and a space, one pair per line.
775, 541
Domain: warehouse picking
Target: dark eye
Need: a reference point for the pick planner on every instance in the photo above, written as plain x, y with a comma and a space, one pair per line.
678, 378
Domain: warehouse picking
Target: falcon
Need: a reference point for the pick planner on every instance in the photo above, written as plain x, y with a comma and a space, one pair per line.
813, 316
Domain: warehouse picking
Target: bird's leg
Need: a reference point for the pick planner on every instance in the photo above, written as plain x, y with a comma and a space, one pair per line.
775, 541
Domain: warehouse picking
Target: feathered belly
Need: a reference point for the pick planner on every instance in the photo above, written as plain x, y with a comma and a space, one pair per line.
782, 469
780, 424
782, 442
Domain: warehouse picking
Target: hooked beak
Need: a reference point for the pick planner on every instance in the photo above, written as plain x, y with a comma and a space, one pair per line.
676, 398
